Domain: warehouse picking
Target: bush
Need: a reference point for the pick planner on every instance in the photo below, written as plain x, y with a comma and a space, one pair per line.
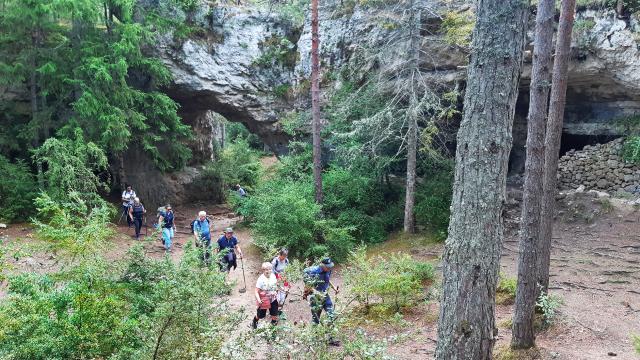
135, 308
397, 281
239, 164
284, 214
635, 339
549, 305
631, 149
433, 200
17, 191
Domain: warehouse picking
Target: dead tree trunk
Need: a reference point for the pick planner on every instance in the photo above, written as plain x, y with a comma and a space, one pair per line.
466, 327
412, 133
410, 193
526, 294
315, 102
552, 138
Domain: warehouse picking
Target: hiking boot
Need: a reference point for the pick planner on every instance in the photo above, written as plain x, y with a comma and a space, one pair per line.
334, 342
254, 324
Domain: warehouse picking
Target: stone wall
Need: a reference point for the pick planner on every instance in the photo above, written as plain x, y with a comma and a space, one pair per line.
598, 167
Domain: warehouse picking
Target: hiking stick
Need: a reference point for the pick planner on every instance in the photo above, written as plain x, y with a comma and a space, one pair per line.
242, 291
146, 226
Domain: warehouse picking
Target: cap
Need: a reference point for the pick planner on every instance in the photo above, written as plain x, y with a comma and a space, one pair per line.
228, 230
327, 262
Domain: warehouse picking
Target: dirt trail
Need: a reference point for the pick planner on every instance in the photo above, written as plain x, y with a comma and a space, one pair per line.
595, 269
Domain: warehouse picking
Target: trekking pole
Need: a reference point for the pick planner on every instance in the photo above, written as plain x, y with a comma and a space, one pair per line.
146, 226
242, 291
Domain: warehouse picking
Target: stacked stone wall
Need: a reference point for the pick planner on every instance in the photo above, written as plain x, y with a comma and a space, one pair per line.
598, 167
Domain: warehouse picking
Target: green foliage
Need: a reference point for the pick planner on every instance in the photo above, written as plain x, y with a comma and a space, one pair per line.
71, 167
277, 51
631, 149
239, 164
134, 308
360, 202
433, 200
396, 281
549, 305
506, 291
457, 27
282, 91
236, 130
17, 191
74, 227
635, 340
84, 63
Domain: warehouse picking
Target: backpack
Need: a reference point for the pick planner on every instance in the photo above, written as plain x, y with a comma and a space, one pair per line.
193, 224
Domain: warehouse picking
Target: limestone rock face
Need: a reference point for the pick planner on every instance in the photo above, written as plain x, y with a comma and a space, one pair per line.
230, 68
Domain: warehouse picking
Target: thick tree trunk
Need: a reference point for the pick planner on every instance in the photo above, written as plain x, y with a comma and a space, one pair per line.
552, 138
466, 327
523, 335
410, 193
315, 102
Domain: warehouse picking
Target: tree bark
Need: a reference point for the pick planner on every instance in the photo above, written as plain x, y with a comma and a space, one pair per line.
552, 137
410, 192
315, 102
412, 133
526, 294
466, 326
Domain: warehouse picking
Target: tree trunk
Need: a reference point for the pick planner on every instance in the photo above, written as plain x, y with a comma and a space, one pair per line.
33, 99
315, 102
410, 193
526, 294
466, 326
552, 138
412, 133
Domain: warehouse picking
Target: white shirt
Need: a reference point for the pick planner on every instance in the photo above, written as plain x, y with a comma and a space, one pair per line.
278, 265
129, 196
268, 284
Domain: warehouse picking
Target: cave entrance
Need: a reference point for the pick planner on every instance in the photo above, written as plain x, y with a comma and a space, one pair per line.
578, 142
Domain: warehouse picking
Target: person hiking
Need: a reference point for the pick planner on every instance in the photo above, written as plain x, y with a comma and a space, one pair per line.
317, 281
241, 191
136, 213
202, 235
127, 200
265, 294
227, 246
168, 227
279, 264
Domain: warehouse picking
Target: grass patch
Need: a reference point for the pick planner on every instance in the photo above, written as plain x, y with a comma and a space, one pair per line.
504, 352
506, 323
402, 242
506, 291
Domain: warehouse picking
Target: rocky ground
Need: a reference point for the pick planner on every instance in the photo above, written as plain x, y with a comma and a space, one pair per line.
594, 269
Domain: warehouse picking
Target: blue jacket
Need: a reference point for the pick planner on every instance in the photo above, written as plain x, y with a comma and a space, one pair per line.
317, 278
224, 243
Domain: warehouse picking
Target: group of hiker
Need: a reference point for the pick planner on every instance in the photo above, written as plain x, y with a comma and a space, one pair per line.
272, 287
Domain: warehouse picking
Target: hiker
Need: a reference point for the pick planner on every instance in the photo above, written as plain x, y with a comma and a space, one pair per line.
127, 200
228, 245
241, 191
168, 227
265, 294
280, 264
136, 213
202, 235
317, 281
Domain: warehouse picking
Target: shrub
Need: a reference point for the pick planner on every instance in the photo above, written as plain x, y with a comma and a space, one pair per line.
284, 214
73, 227
239, 164
549, 305
17, 191
396, 281
135, 308
631, 149
635, 339
433, 200
457, 27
